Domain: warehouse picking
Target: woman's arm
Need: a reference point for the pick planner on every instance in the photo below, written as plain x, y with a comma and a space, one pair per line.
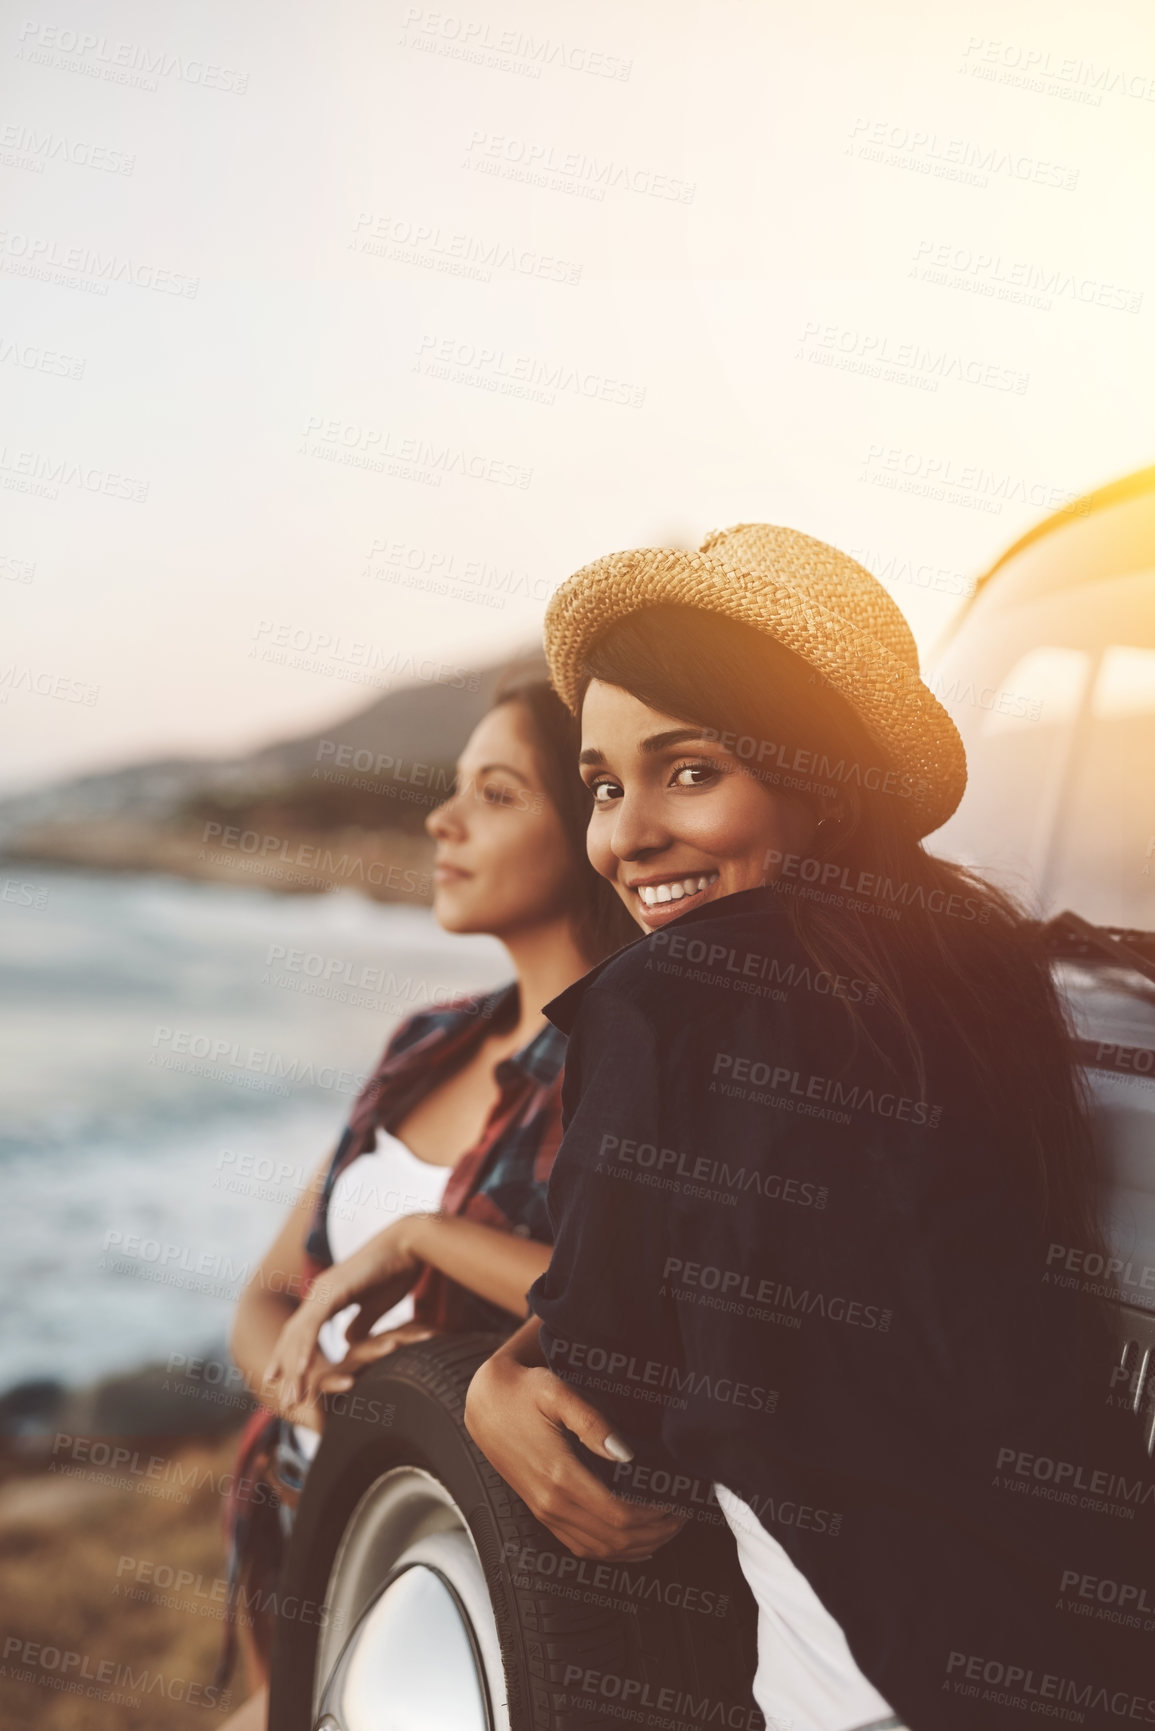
270, 1299
500, 1266
519, 1413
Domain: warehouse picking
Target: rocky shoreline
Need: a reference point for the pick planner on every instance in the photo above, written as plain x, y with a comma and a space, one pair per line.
194, 1394
386, 865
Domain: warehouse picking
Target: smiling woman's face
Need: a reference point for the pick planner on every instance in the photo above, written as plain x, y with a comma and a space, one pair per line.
678, 820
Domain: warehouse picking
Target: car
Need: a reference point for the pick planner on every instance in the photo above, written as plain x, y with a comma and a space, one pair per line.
445, 1604
1049, 673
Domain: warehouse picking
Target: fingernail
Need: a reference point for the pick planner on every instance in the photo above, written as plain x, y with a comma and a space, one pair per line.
341, 1383
615, 1446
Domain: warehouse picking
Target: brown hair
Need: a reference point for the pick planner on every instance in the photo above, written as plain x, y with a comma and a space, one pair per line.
967, 947
601, 922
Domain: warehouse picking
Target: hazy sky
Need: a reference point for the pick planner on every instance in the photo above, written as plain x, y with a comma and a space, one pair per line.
310, 309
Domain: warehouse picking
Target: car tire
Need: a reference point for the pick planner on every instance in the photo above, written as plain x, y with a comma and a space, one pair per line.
410, 1557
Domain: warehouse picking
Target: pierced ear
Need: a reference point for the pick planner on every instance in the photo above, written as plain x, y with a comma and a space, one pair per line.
833, 819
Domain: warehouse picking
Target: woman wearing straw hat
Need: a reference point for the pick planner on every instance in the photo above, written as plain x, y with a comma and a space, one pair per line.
821, 1131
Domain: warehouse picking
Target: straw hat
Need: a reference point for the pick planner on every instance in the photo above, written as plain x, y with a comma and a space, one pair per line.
816, 601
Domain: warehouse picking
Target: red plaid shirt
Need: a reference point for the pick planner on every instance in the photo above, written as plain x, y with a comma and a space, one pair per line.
502, 1180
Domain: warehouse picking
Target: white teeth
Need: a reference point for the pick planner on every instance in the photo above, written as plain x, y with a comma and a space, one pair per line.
674, 890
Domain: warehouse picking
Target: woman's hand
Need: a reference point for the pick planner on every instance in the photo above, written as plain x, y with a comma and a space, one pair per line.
519, 1416
336, 1378
376, 1277
307, 1411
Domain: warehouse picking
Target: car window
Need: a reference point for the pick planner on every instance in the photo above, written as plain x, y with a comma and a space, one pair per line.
1047, 685
1102, 857
1055, 701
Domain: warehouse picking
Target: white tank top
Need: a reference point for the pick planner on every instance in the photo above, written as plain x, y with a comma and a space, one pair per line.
806, 1677
369, 1194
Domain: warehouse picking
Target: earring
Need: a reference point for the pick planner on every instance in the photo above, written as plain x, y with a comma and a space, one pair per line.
831, 823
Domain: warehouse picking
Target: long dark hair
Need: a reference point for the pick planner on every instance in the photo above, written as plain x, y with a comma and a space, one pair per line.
966, 948
601, 922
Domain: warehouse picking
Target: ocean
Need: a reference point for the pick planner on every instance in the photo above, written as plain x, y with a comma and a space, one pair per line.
177, 1060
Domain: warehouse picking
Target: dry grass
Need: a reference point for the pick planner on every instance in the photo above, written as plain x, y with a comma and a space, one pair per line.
76, 1557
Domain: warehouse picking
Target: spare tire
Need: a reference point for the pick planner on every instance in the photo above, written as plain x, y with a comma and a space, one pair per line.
419, 1592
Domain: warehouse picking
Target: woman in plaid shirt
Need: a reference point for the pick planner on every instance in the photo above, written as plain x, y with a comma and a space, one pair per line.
473, 1088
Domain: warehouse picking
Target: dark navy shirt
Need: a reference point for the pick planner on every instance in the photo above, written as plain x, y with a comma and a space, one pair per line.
777, 1268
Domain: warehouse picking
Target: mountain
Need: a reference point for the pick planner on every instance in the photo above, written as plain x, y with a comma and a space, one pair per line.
148, 815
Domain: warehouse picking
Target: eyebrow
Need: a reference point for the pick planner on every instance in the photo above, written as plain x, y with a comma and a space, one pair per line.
652, 743
508, 768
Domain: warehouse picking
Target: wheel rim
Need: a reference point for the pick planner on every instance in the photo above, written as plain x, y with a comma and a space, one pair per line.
409, 1629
